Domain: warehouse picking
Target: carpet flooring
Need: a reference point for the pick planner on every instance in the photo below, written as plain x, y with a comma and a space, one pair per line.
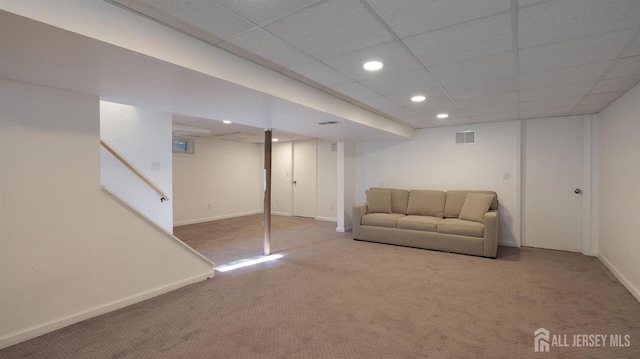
333, 297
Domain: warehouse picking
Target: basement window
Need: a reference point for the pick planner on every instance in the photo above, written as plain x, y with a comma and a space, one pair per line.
183, 145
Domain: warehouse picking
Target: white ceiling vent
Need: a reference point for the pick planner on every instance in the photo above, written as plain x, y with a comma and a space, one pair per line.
468, 137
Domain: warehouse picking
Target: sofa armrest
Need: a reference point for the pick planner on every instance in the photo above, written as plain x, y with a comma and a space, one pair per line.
491, 233
359, 210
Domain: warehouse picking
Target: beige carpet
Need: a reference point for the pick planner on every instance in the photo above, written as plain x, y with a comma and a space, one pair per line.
332, 297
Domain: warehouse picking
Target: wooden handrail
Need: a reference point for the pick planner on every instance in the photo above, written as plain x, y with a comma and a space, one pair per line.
163, 197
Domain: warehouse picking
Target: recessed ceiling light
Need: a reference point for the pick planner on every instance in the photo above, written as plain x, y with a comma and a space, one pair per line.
275, 140
226, 121
373, 65
442, 115
418, 98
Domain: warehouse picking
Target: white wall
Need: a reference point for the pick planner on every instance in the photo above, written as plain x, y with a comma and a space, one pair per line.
68, 251
434, 161
143, 138
221, 180
619, 193
327, 185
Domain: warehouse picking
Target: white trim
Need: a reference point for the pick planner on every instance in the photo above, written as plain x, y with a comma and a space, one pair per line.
327, 219
625, 282
508, 244
344, 230
159, 228
215, 218
282, 214
522, 171
38, 330
586, 185
518, 215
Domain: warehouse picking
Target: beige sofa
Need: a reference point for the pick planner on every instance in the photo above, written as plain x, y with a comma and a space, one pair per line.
453, 221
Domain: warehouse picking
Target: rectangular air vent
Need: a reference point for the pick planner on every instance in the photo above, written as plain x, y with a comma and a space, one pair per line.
327, 123
468, 137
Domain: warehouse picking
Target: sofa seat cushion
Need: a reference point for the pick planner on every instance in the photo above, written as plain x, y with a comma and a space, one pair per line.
419, 223
381, 219
461, 227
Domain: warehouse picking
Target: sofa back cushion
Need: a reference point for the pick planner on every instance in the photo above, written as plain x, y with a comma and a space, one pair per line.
399, 199
455, 201
426, 203
378, 200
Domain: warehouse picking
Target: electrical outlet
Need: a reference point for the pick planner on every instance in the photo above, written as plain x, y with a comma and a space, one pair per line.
505, 175
209, 206
331, 205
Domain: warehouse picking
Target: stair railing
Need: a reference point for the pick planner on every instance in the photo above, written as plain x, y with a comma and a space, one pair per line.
163, 196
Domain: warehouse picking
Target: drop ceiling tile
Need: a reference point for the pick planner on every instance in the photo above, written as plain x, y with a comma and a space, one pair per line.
601, 98
482, 110
267, 10
556, 91
473, 39
628, 66
633, 49
556, 21
393, 55
476, 77
410, 81
410, 17
488, 100
550, 103
495, 117
201, 18
321, 73
588, 109
433, 94
525, 3
431, 109
330, 29
563, 76
355, 90
620, 84
574, 52
475, 70
482, 88
272, 48
545, 112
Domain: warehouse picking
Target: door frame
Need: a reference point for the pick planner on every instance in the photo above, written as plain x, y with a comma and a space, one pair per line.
589, 207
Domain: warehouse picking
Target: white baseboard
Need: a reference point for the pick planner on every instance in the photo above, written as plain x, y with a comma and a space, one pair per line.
621, 277
215, 218
35, 331
508, 244
282, 214
344, 230
327, 219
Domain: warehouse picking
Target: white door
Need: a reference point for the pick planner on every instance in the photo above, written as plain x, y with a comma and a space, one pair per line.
552, 156
304, 178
